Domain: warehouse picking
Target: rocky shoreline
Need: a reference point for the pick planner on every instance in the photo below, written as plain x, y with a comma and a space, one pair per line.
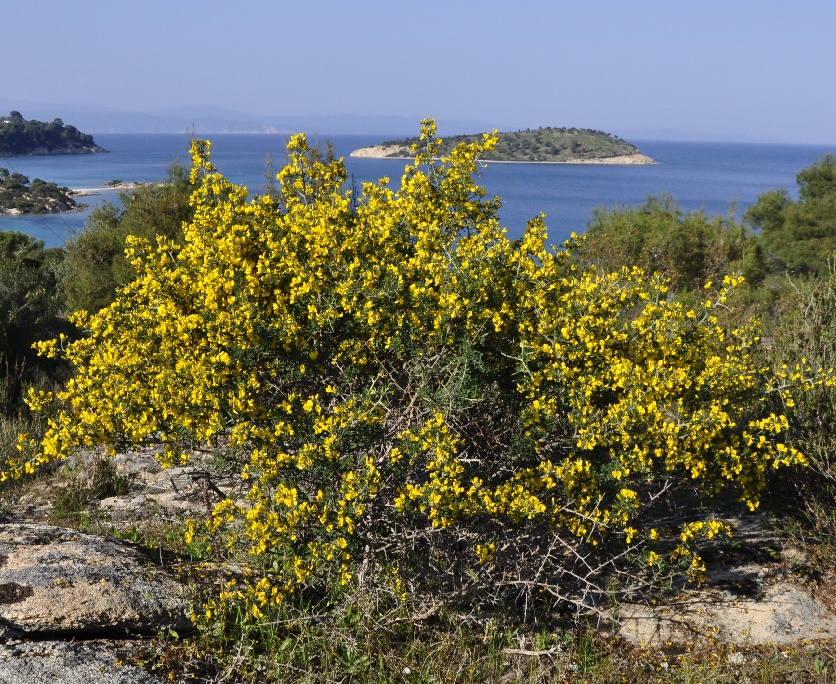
59, 208
55, 206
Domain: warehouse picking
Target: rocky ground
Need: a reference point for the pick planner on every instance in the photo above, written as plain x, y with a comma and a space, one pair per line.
75, 606
71, 603
759, 591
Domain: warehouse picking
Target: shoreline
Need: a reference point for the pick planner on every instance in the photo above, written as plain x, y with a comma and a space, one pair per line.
636, 159
17, 212
86, 192
73, 193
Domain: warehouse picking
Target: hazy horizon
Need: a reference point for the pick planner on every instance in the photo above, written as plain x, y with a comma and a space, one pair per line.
213, 120
651, 69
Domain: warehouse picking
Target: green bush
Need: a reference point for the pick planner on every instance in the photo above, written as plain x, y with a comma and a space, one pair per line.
799, 237
806, 333
95, 265
688, 249
30, 310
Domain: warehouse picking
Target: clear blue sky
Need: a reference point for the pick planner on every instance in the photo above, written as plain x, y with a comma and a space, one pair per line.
732, 69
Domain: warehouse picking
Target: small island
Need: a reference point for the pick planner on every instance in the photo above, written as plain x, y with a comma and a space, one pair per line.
19, 196
541, 146
20, 137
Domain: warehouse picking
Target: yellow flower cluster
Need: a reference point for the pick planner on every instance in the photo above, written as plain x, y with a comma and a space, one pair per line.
390, 362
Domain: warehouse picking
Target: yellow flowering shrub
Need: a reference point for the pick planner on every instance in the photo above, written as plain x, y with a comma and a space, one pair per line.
417, 402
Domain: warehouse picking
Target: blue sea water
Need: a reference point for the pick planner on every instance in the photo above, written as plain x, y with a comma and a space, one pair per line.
714, 177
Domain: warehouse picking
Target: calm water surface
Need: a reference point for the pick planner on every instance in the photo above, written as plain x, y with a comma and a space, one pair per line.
713, 177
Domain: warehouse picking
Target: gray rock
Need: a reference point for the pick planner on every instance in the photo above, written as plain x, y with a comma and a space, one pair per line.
68, 663
59, 581
181, 491
746, 600
786, 613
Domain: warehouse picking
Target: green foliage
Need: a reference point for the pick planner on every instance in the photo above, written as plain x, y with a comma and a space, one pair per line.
94, 258
818, 182
38, 198
30, 310
20, 137
806, 332
543, 144
95, 265
12, 425
688, 249
799, 237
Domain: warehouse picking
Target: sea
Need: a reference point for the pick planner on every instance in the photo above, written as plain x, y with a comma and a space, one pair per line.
717, 178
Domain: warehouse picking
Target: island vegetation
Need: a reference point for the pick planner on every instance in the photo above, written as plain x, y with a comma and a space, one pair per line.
19, 196
22, 137
455, 446
539, 145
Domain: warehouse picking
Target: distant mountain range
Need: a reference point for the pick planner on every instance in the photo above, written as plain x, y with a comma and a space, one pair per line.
203, 120
211, 120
